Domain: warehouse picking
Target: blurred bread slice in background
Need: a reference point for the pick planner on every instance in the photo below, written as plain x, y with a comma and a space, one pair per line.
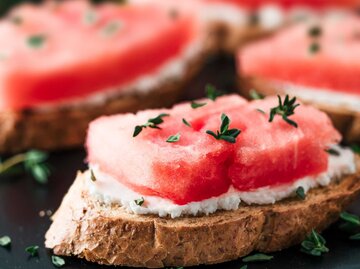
66, 63
316, 61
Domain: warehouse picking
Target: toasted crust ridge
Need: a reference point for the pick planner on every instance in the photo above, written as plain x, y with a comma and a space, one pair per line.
109, 235
345, 120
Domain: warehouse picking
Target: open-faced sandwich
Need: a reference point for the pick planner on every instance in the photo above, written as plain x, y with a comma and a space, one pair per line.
62, 64
317, 61
231, 23
204, 182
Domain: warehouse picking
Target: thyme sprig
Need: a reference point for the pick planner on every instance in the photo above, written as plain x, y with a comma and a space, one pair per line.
212, 93
151, 123
57, 261
314, 33
351, 224
186, 122
196, 105
32, 250
258, 257
285, 109
255, 95
139, 201
229, 135
355, 148
34, 162
300, 193
314, 244
36, 41
5, 241
174, 138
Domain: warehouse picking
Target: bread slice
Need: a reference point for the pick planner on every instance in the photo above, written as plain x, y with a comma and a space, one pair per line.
344, 119
106, 234
64, 126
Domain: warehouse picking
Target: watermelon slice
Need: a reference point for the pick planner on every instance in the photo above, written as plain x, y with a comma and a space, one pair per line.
286, 57
59, 52
198, 166
277, 153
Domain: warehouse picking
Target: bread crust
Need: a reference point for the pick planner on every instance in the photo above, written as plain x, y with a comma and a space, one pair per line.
345, 120
109, 235
65, 126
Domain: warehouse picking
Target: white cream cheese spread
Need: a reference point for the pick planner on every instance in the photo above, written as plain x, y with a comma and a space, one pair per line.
109, 190
321, 96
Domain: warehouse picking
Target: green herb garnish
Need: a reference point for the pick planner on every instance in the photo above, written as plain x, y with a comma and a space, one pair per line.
92, 175
139, 201
36, 41
300, 192
225, 133
195, 105
333, 152
314, 244
90, 17
285, 110
5, 241
151, 123
259, 257
112, 28
314, 47
350, 218
57, 261
256, 95
33, 162
315, 31
355, 149
244, 266
351, 222
212, 93
32, 250
173, 138
355, 237
186, 122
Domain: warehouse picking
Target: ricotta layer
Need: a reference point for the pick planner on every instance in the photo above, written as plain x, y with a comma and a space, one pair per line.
321, 96
108, 190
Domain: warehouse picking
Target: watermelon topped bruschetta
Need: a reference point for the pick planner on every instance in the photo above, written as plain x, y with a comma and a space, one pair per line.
204, 182
316, 61
232, 23
69, 62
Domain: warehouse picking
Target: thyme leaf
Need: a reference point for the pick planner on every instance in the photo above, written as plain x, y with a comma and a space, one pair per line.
285, 109
226, 134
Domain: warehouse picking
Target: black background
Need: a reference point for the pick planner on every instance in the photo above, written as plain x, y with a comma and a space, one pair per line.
21, 200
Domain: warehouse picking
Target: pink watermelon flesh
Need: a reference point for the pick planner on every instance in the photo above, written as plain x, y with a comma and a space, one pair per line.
286, 57
198, 166
277, 153
79, 58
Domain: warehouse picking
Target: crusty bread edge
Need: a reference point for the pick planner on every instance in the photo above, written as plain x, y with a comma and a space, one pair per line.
109, 235
345, 120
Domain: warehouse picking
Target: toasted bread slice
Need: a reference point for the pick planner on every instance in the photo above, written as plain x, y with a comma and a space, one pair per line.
344, 119
64, 126
106, 234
